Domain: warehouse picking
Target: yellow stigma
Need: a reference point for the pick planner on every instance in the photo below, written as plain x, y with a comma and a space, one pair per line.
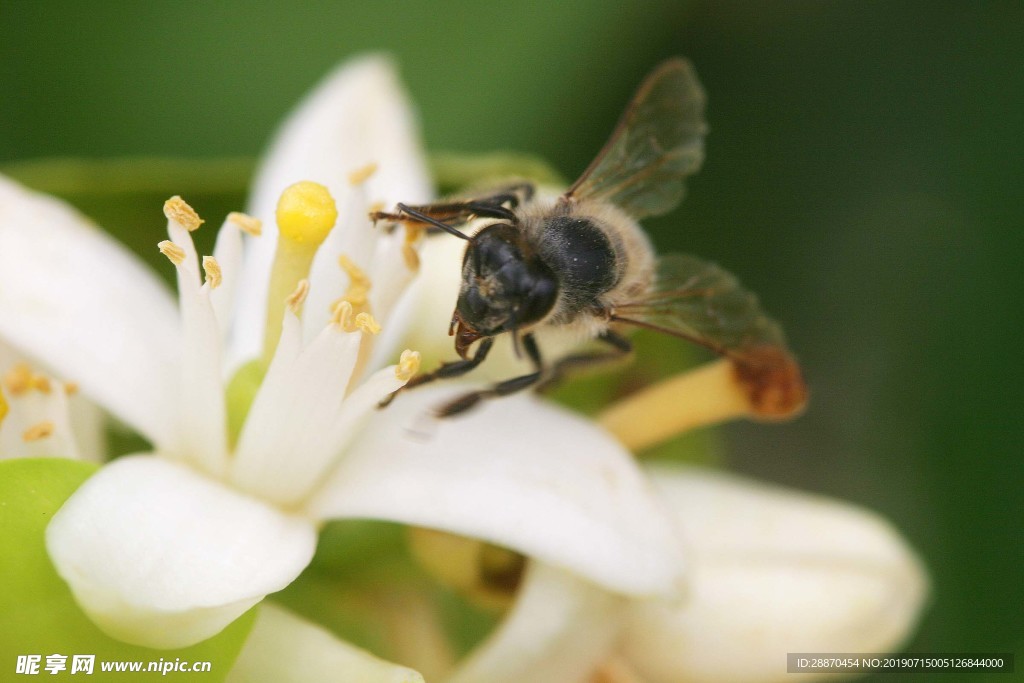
361, 175
177, 209
246, 223
214, 276
38, 431
366, 323
172, 251
408, 365
306, 213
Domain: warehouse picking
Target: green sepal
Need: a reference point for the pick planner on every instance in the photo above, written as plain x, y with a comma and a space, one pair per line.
38, 615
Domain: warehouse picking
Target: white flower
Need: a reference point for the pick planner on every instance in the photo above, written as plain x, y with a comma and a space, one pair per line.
165, 548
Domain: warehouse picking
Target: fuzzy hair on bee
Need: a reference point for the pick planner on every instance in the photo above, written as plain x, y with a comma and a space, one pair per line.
582, 261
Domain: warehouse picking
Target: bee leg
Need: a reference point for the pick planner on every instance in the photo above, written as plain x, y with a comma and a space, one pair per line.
447, 370
504, 388
620, 348
456, 213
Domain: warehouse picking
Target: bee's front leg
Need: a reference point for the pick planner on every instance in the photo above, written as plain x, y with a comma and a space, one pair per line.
504, 388
447, 370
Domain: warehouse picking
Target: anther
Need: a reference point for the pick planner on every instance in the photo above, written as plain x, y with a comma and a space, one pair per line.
366, 323
70, 388
18, 379
177, 209
298, 296
342, 315
246, 223
4, 408
172, 251
413, 233
214, 276
38, 431
408, 365
361, 175
41, 383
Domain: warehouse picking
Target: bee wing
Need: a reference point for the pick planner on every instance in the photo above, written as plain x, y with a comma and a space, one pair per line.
699, 301
658, 141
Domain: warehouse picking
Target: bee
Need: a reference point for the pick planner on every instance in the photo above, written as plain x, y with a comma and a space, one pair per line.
581, 260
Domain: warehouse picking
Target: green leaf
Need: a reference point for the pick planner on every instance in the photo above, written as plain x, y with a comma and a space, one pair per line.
38, 615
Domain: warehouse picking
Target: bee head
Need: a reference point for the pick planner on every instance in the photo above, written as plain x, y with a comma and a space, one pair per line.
503, 288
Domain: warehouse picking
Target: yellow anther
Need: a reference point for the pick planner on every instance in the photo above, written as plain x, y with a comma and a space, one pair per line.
413, 233
361, 175
177, 209
38, 431
172, 251
4, 408
358, 292
408, 365
298, 296
356, 275
18, 379
342, 315
366, 323
214, 276
306, 213
246, 223
41, 383
70, 388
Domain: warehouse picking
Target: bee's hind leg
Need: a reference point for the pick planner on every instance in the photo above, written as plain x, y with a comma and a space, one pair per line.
621, 347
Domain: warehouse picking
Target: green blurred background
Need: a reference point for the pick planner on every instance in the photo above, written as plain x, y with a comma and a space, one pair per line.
863, 175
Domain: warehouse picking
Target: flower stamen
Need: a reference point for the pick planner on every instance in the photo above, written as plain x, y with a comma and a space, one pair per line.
20, 379
361, 175
246, 223
366, 323
177, 209
298, 296
358, 292
38, 431
341, 315
408, 365
214, 276
172, 251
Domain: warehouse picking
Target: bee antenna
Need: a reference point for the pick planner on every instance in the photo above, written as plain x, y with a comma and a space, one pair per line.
424, 218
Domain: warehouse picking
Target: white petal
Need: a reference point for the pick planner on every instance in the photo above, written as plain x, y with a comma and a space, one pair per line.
285, 648
516, 472
559, 630
158, 555
358, 115
285, 446
773, 571
87, 308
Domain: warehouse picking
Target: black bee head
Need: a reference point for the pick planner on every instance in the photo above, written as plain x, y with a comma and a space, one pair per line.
503, 289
